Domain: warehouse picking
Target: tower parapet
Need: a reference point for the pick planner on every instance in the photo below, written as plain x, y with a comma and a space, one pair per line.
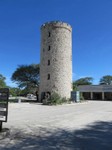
57, 24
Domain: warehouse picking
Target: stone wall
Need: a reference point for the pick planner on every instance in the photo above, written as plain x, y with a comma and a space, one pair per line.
56, 59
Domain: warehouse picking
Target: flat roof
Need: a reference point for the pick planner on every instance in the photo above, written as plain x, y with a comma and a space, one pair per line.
95, 88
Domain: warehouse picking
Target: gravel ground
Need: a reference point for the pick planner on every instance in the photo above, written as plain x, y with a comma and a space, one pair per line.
81, 126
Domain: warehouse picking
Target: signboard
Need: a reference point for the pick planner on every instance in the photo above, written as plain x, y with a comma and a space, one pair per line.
4, 95
75, 96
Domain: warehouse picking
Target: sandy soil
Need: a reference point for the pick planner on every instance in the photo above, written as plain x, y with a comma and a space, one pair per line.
81, 126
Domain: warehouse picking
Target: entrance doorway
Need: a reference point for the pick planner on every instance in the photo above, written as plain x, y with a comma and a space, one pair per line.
97, 95
86, 95
108, 96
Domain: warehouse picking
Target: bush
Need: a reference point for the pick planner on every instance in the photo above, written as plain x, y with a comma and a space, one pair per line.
55, 99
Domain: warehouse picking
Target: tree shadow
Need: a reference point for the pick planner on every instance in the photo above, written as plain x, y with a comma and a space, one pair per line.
97, 136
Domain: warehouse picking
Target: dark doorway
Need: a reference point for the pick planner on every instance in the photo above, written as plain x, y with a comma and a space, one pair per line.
42, 96
97, 96
108, 96
86, 95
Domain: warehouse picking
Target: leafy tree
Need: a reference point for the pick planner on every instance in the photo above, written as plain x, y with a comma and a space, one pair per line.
14, 91
106, 80
82, 81
27, 77
74, 86
2, 81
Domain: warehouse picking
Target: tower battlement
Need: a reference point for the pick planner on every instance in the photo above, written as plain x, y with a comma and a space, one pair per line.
58, 24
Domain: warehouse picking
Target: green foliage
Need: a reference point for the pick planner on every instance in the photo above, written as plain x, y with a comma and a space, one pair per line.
106, 80
74, 86
65, 100
55, 99
2, 81
27, 77
82, 81
15, 91
81, 97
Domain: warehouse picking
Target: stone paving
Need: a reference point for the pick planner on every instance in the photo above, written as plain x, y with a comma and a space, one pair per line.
77, 126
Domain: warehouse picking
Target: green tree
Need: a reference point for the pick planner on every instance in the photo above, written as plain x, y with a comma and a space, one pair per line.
82, 81
2, 81
15, 91
106, 80
27, 77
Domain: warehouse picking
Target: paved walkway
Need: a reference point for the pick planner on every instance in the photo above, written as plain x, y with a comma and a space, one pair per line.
84, 126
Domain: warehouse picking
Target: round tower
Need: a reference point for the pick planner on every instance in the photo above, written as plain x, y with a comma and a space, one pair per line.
56, 59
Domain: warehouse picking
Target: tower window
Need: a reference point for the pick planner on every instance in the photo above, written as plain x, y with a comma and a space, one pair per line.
48, 62
48, 77
49, 48
49, 34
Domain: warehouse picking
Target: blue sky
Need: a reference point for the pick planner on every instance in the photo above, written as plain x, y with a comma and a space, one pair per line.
91, 20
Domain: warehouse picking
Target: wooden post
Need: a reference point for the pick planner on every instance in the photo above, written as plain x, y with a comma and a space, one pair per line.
0, 126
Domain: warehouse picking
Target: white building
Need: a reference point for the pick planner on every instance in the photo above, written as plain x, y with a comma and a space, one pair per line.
96, 92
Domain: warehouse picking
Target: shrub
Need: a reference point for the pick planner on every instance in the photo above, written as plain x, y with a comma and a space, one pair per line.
55, 99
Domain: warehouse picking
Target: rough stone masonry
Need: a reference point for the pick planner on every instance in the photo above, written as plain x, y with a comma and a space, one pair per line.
56, 59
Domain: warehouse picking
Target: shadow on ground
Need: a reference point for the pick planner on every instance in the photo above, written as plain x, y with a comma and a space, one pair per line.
97, 136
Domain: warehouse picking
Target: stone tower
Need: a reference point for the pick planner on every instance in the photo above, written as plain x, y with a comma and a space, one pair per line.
56, 59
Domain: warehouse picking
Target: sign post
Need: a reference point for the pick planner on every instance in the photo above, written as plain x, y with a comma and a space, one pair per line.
0, 126
4, 96
75, 96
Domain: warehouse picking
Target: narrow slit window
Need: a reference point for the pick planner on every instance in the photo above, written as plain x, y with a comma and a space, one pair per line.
48, 77
49, 48
48, 62
49, 34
